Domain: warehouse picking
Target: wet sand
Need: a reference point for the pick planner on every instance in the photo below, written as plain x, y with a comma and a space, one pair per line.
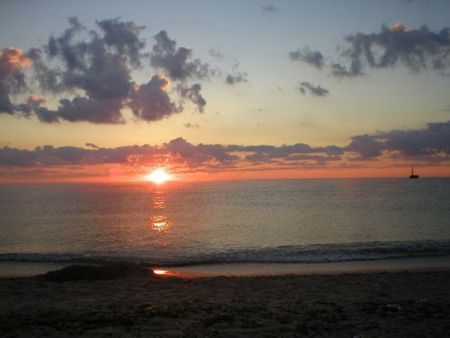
137, 303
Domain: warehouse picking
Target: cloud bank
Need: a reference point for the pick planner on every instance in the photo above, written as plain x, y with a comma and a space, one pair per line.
427, 146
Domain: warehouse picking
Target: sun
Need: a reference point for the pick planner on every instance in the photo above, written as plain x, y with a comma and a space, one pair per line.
157, 176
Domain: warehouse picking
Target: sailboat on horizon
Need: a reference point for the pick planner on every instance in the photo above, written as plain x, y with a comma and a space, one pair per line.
412, 176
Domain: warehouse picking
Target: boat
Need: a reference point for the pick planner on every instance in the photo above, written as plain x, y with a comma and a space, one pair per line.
412, 176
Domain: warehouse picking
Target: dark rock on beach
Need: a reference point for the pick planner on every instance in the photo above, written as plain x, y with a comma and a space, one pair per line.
93, 273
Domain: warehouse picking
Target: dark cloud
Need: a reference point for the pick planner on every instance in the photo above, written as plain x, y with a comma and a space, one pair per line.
96, 65
64, 46
33, 103
178, 149
415, 49
100, 65
199, 154
12, 77
49, 80
124, 36
89, 71
292, 153
94, 110
434, 140
313, 58
176, 62
150, 101
366, 146
193, 94
395, 45
307, 87
51, 156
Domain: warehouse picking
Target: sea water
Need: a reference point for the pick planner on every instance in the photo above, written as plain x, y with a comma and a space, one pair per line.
272, 221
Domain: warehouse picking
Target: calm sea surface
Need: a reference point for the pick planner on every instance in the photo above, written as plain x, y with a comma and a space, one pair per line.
244, 221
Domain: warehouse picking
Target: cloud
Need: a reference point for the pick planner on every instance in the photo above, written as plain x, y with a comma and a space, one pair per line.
33, 103
124, 36
54, 156
178, 150
427, 146
215, 54
269, 8
191, 125
416, 49
313, 58
94, 110
12, 77
236, 76
89, 73
434, 140
176, 62
150, 101
71, 52
48, 79
395, 45
200, 154
194, 95
269, 153
366, 146
95, 66
341, 71
232, 79
307, 87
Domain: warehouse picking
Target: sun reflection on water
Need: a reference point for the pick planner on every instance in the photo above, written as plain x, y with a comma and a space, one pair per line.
158, 202
159, 222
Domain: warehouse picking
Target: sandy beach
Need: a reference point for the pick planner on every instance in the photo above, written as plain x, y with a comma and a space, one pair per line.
134, 302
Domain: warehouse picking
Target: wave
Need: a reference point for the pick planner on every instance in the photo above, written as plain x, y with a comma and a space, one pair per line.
320, 253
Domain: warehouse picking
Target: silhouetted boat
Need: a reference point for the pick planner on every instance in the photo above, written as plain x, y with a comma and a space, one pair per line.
412, 174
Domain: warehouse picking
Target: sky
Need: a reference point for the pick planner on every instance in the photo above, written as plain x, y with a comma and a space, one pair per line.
109, 90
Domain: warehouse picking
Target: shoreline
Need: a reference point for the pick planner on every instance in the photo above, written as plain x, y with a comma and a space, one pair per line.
14, 269
425, 263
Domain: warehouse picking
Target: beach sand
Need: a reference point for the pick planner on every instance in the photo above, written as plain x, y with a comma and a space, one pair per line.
137, 303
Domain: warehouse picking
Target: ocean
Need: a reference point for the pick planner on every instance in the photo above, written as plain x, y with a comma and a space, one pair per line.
270, 221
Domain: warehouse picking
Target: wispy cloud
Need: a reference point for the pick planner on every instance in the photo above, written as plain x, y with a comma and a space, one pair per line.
313, 58
395, 45
269, 8
307, 87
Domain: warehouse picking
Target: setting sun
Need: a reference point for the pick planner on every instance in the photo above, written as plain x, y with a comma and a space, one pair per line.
158, 176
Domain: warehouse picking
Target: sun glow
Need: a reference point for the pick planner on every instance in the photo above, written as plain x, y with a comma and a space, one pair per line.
158, 176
